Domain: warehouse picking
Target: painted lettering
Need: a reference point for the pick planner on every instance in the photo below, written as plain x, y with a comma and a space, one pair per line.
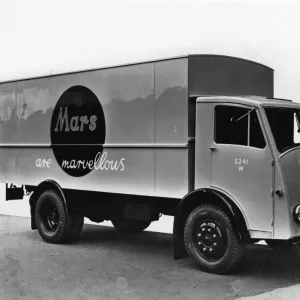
97, 159
83, 120
78, 120
100, 162
73, 164
42, 163
92, 125
61, 120
65, 164
63, 123
74, 124
241, 163
121, 163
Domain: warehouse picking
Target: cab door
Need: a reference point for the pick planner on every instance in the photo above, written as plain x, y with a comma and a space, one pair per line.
242, 164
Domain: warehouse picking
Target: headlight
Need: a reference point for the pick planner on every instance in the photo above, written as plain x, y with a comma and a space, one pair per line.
297, 214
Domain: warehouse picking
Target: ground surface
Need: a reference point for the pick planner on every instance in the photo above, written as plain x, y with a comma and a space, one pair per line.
105, 266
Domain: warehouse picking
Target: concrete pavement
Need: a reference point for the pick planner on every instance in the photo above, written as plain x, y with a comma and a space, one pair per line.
106, 266
288, 293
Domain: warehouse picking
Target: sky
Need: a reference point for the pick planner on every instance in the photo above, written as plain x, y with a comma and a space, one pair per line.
42, 37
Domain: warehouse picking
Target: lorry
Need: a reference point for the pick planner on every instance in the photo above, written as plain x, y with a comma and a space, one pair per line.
197, 137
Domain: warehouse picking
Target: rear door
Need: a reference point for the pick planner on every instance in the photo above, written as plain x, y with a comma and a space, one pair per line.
242, 163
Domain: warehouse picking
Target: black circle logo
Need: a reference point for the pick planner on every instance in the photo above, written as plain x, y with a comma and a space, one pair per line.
77, 131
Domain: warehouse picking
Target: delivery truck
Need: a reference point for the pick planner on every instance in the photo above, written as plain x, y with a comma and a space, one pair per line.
197, 137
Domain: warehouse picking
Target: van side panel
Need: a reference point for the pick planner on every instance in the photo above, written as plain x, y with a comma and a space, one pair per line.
171, 128
8, 130
126, 95
145, 146
144, 127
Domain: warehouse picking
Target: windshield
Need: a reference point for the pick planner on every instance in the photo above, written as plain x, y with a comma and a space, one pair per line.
285, 126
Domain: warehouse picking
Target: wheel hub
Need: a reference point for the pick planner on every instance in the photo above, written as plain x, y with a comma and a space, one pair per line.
51, 219
210, 241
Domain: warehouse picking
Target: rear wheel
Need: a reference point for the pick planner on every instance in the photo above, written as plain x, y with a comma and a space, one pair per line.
210, 240
127, 226
54, 224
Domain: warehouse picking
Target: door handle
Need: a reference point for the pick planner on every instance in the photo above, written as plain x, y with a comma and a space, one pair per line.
279, 192
212, 148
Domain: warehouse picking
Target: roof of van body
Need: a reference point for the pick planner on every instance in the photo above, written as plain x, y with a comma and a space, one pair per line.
255, 101
118, 64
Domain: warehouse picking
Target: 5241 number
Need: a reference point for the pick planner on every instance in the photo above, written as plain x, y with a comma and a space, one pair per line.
241, 161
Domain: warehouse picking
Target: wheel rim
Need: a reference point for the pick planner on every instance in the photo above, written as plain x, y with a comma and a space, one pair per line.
210, 240
50, 217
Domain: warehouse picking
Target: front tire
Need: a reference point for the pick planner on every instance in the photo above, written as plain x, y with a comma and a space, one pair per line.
210, 240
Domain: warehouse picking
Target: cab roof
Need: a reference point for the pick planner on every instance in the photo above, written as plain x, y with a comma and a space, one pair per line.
255, 101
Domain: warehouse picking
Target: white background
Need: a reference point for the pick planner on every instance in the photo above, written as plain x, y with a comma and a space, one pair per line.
44, 36
39, 37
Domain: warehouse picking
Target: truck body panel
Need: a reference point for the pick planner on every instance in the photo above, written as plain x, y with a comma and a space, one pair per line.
142, 120
146, 126
214, 75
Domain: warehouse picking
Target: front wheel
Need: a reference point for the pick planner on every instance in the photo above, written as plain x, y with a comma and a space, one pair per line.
210, 240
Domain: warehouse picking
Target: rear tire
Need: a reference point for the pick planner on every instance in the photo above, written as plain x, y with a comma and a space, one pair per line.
54, 224
51, 218
210, 240
129, 226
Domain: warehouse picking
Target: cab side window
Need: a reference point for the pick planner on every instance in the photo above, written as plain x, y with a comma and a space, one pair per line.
238, 126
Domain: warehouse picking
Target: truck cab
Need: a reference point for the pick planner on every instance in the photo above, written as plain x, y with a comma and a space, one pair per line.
255, 159
247, 149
